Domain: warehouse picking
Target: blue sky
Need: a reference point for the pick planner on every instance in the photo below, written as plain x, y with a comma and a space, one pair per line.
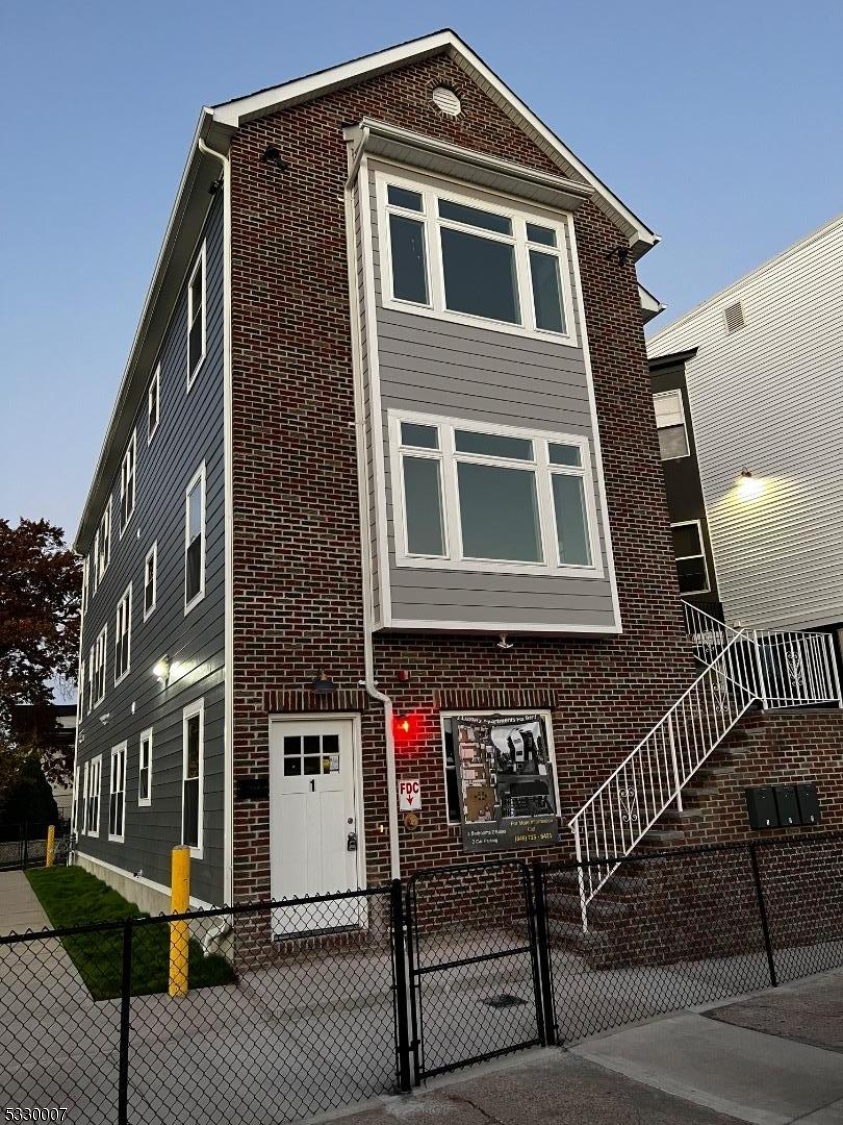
717, 121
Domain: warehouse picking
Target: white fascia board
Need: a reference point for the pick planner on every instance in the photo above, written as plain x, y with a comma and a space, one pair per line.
651, 306
237, 112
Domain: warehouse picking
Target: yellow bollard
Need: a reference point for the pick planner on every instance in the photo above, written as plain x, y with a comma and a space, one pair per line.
51, 846
179, 931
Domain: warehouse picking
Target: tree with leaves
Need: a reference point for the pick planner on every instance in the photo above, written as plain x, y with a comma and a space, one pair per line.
40, 602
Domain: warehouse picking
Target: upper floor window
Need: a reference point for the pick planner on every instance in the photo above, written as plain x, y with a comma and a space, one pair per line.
476, 497
145, 769
196, 317
153, 405
464, 259
98, 678
689, 552
123, 636
117, 794
86, 578
102, 544
90, 684
194, 541
127, 483
670, 422
150, 580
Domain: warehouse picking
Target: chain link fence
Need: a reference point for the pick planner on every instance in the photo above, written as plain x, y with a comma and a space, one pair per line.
25, 845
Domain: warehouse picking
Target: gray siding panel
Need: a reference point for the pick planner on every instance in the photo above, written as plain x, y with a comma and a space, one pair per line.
190, 431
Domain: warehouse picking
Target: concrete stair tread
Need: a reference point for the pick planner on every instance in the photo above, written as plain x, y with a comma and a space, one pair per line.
603, 906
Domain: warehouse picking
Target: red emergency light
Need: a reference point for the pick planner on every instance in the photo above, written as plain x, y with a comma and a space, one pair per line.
405, 729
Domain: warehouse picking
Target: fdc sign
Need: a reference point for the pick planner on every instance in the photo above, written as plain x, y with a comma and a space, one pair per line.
409, 795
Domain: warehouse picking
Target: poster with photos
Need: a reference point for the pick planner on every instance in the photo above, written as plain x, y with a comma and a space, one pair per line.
506, 785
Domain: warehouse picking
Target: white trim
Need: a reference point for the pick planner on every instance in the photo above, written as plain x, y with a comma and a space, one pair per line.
675, 392
201, 263
504, 713
196, 903
128, 476
119, 751
542, 472
126, 600
154, 383
702, 555
519, 214
153, 554
193, 709
199, 477
145, 736
99, 650
417, 624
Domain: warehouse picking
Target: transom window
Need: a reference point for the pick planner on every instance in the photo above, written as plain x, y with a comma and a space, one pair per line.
127, 483
123, 636
467, 260
689, 552
491, 498
117, 794
670, 422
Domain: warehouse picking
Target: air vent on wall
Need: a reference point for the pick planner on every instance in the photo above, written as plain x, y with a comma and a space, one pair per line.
734, 317
446, 101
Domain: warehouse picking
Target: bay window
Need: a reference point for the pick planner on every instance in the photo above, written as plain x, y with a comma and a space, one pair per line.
479, 497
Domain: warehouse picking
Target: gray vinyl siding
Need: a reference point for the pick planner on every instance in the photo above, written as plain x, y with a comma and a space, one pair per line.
475, 373
190, 431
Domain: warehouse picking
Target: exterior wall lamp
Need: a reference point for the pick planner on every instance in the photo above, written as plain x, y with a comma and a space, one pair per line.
749, 486
161, 671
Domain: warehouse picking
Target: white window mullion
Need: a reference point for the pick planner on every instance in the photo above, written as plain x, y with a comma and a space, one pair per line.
522, 271
450, 488
547, 516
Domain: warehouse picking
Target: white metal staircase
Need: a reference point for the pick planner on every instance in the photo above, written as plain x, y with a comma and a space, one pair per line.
775, 669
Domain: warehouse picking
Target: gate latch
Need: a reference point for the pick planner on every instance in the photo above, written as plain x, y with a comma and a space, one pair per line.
351, 843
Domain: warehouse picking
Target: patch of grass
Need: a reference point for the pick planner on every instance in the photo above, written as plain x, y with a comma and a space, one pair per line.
73, 897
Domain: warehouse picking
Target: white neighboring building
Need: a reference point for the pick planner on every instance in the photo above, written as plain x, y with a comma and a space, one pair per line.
766, 395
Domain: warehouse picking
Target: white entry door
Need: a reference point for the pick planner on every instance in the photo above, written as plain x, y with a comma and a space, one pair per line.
314, 842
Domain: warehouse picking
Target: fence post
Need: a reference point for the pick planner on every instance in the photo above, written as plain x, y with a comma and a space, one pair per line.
180, 931
543, 949
402, 1007
51, 846
762, 910
125, 1006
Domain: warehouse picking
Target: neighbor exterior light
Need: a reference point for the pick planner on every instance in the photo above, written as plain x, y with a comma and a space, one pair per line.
161, 671
749, 487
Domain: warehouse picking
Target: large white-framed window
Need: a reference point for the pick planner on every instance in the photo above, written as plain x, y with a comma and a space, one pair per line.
194, 540
90, 683
98, 677
689, 552
193, 777
475, 496
150, 580
196, 318
474, 259
153, 405
80, 705
127, 481
102, 544
117, 794
86, 578
145, 769
92, 785
74, 808
123, 636
671, 425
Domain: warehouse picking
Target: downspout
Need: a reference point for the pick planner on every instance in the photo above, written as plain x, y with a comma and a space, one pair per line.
224, 926
368, 682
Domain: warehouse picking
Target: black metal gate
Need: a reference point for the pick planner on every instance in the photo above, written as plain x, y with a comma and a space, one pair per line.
475, 972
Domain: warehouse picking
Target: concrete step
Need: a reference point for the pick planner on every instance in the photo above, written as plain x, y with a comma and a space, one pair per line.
683, 815
714, 772
663, 838
603, 907
624, 883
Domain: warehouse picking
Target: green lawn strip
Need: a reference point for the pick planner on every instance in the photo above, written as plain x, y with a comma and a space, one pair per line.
73, 897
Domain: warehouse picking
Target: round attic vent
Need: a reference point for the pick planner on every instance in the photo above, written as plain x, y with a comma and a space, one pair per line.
446, 101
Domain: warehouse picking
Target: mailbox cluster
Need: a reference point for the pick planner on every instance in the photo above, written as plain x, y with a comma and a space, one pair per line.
782, 806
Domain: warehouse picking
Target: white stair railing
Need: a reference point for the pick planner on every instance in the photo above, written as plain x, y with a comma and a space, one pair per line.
627, 805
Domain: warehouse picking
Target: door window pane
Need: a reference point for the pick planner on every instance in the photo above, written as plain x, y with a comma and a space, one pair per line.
547, 291
686, 540
190, 832
571, 520
493, 445
409, 270
474, 217
499, 513
422, 500
479, 276
692, 575
673, 442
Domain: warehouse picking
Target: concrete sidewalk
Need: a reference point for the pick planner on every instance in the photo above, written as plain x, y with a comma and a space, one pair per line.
20, 909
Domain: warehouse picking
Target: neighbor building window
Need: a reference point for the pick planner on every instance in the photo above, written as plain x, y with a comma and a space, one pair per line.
467, 259
196, 317
150, 580
193, 738
102, 543
153, 405
670, 422
689, 552
100, 653
93, 779
145, 769
123, 636
492, 498
117, 794
194, 542
127, 483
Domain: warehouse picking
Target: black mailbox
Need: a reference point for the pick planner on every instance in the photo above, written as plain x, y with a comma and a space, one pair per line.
787, 805
761, 807
809, 804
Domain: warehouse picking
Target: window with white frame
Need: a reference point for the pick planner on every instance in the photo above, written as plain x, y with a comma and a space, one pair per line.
93, 780
86, 576
80, 705
689, 552
196, 318
123, 636
102, 543
194, 541
153, 405
91, 662
670, 422
481, 497
150, 580
467, 259
74, 808
117, 794
100, 653
127, 482
145, 768
193, 752
82, 814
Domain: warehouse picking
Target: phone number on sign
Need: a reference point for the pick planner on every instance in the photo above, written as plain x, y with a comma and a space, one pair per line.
39, 1113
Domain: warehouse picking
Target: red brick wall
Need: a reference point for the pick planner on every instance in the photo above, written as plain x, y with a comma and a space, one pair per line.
298, 609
